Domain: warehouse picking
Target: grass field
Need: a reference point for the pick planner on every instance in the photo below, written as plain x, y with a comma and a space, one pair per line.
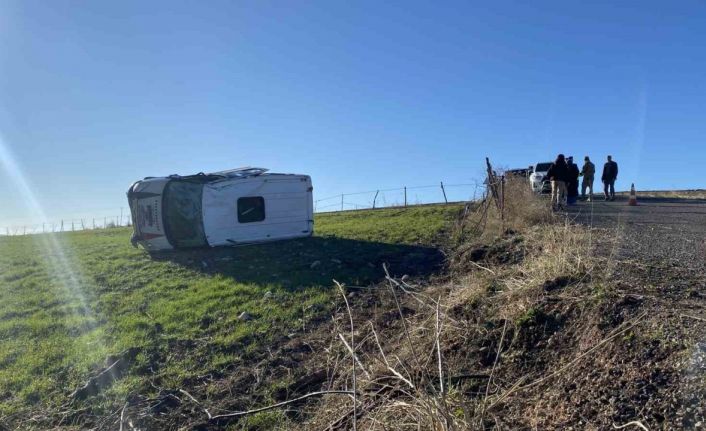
65, 318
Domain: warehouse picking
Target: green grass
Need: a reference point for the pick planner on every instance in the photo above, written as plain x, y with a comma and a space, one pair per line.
179, 311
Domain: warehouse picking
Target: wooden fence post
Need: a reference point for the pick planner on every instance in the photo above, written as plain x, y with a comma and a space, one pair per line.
444, 192
405, 196
341, 201
502, 200
492, 183
375, 198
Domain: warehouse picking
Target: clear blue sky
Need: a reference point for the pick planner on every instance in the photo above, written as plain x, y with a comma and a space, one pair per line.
360, 95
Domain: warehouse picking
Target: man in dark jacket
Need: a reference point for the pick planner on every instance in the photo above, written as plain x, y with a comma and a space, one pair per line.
572, 186
558, 174
610, 174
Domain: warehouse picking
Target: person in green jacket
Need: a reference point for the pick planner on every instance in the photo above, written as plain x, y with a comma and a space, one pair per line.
588, 173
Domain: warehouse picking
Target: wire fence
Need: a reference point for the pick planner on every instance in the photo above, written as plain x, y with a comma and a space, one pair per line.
401, 197
68, 225
372, 199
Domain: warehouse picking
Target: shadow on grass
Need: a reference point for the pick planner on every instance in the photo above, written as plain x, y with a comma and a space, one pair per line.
300, 263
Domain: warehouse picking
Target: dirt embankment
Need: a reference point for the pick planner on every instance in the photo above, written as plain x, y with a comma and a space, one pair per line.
542, 325
537, 323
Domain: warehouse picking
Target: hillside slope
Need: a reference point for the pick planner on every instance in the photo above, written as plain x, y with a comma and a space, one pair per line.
532, 321
77, 304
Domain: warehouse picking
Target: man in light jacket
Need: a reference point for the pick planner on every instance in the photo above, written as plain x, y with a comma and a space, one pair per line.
558, 174
588, 172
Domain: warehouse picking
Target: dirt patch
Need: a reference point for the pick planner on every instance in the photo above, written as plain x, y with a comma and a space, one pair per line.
507, 250
116, 366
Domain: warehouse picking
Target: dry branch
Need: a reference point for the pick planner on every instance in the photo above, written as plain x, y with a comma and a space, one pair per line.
693, 317
283, 403
438, 347
384, 359
122, 416
495, 362
635, 423
354, 359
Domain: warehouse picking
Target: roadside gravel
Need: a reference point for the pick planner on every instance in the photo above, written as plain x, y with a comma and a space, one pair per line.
657, 254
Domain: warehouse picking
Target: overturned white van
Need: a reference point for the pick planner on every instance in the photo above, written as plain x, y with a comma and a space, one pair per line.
239, 206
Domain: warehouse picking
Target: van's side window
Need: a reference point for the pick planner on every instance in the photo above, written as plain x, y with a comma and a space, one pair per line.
251, 209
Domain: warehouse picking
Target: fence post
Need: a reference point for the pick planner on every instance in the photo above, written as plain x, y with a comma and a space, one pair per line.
341, 201
94, 223
105, 222
62, 225
492, 185
24, 230
72, 225
83, 226
444, 192
405, 196
502, 200
375, 198
42, 227
121, 216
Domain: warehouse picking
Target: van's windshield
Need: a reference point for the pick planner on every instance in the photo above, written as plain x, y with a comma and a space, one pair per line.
182, 213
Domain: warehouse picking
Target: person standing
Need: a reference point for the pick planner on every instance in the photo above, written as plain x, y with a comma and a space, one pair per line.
572, 185
588, 172
558, 174
610, 174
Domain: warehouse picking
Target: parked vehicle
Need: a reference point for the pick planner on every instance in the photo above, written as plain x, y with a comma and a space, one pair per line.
521, 172
538, 179
239, 206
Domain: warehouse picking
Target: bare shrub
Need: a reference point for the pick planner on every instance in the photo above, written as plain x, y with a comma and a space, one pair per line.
522, 209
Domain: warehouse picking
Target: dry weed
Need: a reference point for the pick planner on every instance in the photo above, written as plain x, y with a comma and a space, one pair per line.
415, 346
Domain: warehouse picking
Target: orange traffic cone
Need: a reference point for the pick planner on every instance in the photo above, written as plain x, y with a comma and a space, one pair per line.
633, 196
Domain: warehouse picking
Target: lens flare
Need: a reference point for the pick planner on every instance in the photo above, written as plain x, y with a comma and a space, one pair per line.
62, 269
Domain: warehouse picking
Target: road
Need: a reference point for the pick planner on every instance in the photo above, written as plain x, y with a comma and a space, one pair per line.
658, 229
655, 259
